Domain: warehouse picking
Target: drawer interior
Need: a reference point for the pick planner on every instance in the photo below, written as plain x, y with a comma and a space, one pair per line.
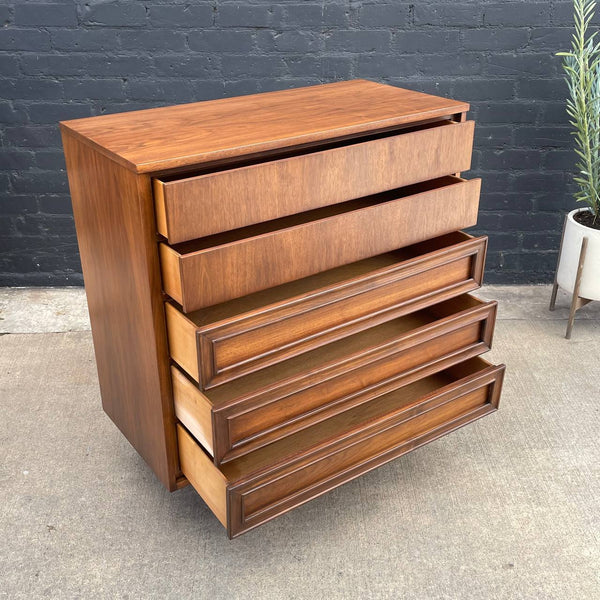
339, 350
273, 479
398, 400
261, 229
238, 306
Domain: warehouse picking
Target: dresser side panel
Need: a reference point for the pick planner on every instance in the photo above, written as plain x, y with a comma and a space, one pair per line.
114, 218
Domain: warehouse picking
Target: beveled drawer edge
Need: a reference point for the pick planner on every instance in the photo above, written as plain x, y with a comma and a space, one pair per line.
353, 327
347, 402
194, 410
212, 425
409, 267
196, 353
225, 498
227, 447
491, 376
288, 503
433, 329
211, 374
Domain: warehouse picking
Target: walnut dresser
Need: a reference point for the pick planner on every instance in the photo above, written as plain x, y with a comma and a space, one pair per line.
279, 288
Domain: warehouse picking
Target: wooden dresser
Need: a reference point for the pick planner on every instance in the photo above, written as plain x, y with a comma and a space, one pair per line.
279, 288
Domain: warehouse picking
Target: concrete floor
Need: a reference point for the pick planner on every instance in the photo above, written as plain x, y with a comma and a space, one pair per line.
506, 508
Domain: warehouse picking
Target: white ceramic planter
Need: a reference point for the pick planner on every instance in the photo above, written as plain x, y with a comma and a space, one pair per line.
569, 259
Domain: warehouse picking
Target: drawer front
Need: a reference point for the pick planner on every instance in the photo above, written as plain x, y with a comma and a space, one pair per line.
236, 427
239, 346
269, 414
225, 350
216, 274
207, 204
245, 495
264, 497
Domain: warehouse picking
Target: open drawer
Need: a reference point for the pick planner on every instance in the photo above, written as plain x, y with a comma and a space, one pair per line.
229, 265
238, 417
213, 202
224, 342
272, 480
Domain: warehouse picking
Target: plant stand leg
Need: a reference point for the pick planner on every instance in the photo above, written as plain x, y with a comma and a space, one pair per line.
555, 287
576, 301
553, 297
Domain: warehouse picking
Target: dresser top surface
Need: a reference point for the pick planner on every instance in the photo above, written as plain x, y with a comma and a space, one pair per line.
160, 139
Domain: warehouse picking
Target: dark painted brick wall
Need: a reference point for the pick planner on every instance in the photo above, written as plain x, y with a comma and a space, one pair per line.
62, 60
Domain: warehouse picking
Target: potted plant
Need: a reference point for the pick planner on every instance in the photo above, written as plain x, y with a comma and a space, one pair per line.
578, 269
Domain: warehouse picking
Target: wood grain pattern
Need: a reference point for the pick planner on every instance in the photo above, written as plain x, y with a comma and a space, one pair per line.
215, 269
171, 272
265, 415
114, 217
268, 495
208, 481
177, 136
321, 433
313, 313
160, 208
277, 402
193, 409
330, 333
215, 202
277, 478
181, 333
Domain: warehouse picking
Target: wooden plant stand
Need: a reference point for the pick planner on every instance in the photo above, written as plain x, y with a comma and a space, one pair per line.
577, 301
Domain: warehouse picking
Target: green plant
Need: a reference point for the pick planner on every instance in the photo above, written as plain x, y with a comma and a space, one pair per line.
582, 66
